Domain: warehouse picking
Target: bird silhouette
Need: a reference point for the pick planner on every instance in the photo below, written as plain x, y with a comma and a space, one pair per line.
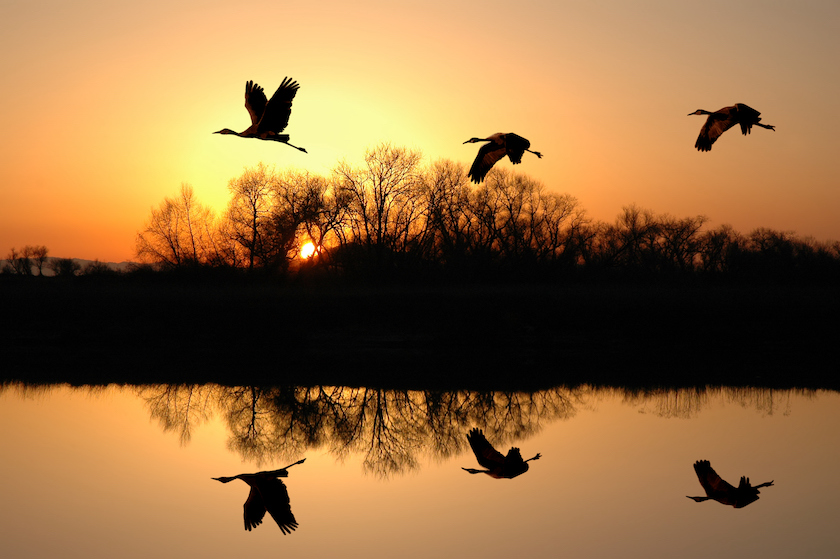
498, 466
499, 145
268, 117
721, 491
267, 494
723, 119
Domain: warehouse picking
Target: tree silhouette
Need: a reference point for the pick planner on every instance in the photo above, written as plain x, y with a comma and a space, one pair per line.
178, 233
65, 267
392, 216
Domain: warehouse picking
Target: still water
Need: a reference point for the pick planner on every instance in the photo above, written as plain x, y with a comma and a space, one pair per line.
126, 472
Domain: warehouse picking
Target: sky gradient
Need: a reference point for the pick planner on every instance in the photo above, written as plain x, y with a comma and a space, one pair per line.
109, 107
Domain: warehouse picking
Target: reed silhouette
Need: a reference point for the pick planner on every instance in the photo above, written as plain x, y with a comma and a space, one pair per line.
723, 492
723, 119
498, 145
268, 117
268, 493
498, 466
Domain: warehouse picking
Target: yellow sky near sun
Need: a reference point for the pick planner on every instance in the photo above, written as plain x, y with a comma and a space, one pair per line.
107, 108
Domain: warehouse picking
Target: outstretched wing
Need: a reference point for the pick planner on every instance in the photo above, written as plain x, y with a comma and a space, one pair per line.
516, 146
276, 499
486, 455
712, 483
747, 116
254, 101
254, 509
279, 107
716, 124
484, 161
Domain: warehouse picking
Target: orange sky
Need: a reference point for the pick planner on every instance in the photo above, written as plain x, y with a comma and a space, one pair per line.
108, 107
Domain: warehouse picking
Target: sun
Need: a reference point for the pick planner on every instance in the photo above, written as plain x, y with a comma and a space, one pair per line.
307, 250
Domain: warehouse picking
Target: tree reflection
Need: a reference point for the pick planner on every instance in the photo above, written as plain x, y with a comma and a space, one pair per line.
390, 428
179, 407
394, 429
688, 402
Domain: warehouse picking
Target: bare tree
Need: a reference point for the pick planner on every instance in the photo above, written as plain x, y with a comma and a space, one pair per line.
65, 267
20, 262
307, 209
249, 213
39, 257
387, 214
447, 197
178, 233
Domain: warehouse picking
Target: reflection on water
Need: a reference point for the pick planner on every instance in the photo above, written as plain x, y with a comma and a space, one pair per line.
723, 492
392, 428
88, 467
496, 465
686, 402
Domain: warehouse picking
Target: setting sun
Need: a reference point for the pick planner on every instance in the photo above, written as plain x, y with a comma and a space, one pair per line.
307, 250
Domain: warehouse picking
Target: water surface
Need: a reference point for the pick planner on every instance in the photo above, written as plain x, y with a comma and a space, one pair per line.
126, 472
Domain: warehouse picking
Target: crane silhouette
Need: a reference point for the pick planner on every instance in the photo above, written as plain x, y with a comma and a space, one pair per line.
267, 494
499, 145
268, 117
498, 466
723, 119
723, 492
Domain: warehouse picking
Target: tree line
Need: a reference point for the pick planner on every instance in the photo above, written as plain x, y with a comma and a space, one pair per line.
394, 216
34, 260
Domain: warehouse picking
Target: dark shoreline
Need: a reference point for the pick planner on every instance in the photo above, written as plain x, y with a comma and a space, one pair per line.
483, 337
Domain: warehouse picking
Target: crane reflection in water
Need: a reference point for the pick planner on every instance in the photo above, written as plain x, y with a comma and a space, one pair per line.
268, 493
497, 466
723, 492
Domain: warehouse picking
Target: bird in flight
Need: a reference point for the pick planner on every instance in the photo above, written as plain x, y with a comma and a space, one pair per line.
498, 145
498, 466
723, 119
268, 493
721, 491
268, 117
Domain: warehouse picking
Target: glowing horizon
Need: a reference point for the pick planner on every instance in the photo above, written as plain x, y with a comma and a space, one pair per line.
114, 106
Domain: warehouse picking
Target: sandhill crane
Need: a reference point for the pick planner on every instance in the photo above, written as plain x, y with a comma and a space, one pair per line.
499, 145
723, 492
498, 466
723, 119
268, 118
267, 493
